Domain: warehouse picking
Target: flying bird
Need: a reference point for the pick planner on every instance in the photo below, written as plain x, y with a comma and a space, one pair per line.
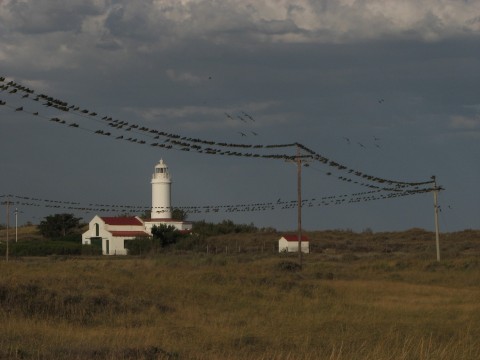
241, 133
248, 115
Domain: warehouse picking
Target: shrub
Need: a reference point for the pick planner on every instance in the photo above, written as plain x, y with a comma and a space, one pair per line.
225, 227
91, 250
289, 266
75, 238
43, 248
139, 246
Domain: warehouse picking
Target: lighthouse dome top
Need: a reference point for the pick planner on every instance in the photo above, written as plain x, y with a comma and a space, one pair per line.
161, 171
161, 164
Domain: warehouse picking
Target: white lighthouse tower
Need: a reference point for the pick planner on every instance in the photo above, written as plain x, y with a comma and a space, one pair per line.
161, 192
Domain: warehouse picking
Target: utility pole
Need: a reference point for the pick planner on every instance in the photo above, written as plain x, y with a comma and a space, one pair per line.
16, 225
7, 203
435, 206
298, 160
299, 205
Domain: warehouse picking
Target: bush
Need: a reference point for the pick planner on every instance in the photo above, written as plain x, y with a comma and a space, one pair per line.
42, 248
163, 236
139, 246
225, 227
289, 266
75, 238
91, 250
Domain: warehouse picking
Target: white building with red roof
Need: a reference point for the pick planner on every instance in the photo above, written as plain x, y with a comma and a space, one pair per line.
289, 243
113, 232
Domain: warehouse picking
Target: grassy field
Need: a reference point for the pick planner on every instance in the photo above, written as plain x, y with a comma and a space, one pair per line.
358, 296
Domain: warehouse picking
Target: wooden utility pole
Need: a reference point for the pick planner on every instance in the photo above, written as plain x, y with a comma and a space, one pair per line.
7, 203
435, 206
16, 225
299, 205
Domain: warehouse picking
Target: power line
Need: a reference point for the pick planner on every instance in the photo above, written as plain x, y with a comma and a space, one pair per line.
183, 143
332, 200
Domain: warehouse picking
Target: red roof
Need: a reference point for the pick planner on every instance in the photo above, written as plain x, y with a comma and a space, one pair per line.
129, 233
291, 238
122, 221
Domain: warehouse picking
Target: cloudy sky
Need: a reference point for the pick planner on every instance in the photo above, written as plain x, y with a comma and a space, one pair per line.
387, 88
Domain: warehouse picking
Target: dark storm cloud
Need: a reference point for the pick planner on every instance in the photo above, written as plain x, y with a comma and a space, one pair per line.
309, 71
44, 16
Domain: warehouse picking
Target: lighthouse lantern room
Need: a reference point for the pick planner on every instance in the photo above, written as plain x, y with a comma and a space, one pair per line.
161, 192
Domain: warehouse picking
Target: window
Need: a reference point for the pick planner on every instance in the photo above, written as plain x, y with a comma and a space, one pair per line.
97, 230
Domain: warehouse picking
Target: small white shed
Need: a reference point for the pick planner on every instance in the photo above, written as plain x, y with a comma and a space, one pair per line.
289, 243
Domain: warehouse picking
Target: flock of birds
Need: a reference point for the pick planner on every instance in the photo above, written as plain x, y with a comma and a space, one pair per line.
376, 142
253, 207
245, 118
183, 143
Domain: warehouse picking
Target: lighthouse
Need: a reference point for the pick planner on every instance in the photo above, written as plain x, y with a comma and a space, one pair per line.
113, 232
161, 192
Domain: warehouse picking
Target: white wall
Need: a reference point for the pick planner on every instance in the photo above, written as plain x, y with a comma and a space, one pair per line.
116, 245
179, 225
292, 246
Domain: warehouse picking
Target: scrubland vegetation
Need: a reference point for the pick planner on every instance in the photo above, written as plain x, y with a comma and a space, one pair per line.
358, 296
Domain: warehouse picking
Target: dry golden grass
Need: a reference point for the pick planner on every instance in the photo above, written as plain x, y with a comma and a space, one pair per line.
23, 233
243, 306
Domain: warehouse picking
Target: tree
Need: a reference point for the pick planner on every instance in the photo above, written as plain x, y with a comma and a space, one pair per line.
165, 235
58, 225
179, 214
